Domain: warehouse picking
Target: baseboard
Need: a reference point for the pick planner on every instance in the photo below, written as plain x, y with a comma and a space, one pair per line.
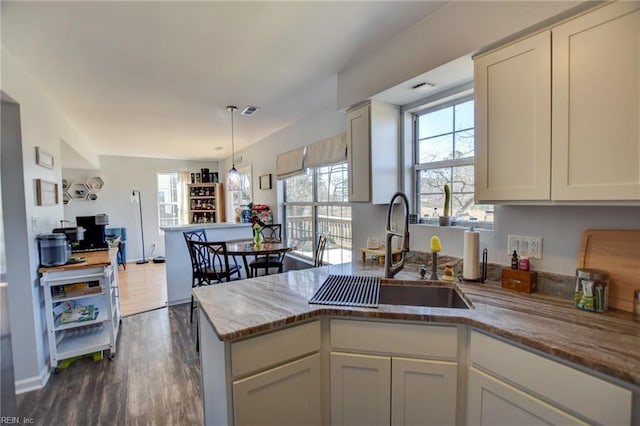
178, 302
33, 383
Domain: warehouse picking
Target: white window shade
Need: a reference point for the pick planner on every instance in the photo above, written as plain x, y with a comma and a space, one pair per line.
290, 163
327, 151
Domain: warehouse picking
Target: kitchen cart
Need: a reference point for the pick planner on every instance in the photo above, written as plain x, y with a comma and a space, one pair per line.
82, 306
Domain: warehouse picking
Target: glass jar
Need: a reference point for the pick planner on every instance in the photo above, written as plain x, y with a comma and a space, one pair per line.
592, 290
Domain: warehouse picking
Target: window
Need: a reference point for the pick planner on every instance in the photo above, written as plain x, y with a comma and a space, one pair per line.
168, 204
318, 202
444, 152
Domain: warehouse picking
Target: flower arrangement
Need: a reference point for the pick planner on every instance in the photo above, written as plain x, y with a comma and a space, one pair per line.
256, 224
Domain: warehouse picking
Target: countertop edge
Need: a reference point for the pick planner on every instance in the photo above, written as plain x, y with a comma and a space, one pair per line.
567, 352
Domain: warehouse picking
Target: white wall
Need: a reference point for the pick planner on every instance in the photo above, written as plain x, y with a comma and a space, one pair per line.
453, 31
36, 121
121, 175
262, 155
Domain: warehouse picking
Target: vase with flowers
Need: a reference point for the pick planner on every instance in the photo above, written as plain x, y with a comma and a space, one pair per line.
256, 224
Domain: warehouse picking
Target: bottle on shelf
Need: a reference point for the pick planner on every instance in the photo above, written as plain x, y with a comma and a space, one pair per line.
514, 260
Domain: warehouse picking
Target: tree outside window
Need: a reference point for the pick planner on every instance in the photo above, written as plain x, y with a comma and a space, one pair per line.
445, 150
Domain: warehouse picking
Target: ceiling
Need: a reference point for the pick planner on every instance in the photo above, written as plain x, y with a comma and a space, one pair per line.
152, 79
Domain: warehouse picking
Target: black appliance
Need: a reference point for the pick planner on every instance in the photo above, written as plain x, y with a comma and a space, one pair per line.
94, 233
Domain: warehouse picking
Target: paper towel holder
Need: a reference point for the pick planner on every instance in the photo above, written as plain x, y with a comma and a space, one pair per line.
483, 275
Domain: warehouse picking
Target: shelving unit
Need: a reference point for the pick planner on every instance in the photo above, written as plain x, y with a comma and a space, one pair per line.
206, 203
67, 340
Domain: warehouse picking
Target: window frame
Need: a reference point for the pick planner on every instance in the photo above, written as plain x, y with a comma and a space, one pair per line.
428, 106
315, 206
160, 204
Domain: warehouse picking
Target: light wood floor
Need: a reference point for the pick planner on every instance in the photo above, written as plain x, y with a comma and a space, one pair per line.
154, 379
142, 287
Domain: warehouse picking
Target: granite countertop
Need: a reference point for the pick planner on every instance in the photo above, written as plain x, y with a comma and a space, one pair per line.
606, 342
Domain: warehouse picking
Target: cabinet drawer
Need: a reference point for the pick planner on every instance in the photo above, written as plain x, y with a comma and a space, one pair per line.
583, 394
264, 351
430, 341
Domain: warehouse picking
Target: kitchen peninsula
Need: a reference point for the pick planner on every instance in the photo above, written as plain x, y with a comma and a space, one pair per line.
178, 263
267, 354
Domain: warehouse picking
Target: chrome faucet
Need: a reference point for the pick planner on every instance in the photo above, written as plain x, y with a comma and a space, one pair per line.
390, 268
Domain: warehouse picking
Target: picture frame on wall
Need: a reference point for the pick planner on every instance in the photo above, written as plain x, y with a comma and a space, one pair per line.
46, 193
265, 181
43, 158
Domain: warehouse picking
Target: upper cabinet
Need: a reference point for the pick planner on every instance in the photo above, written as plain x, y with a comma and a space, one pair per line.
558, 114
372, 151
513, 121
596, 106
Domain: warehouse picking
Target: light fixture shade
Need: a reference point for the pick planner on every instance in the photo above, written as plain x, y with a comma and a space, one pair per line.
234, 182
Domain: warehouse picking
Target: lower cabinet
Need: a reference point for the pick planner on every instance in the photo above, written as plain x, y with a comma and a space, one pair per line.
393, 373
382, 390
510, 385
494, 402
286, 395
360, 389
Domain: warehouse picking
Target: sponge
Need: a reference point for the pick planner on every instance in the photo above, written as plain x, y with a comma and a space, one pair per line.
435, 244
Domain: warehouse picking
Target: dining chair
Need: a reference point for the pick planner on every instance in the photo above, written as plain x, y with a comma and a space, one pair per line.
271, 233
322, 243
203, 262
210, 265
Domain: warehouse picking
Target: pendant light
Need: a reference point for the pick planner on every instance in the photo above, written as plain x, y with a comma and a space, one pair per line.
233, 177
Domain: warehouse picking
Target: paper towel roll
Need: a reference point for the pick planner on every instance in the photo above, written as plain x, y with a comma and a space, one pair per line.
471, 262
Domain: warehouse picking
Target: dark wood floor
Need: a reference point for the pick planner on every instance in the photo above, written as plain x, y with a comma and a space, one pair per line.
154, 379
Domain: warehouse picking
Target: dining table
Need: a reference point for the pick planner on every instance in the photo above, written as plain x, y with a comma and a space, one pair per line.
247, 248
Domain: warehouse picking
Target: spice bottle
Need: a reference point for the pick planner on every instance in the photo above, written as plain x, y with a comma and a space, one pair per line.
514, 260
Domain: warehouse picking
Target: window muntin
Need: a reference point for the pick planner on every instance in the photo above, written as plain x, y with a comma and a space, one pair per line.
445, 150
168, 204
317, 202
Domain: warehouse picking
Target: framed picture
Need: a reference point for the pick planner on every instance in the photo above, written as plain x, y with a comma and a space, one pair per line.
43, 158
47, 193
265, 181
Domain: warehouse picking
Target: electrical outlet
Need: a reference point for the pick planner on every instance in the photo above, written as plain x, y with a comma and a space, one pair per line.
530, 247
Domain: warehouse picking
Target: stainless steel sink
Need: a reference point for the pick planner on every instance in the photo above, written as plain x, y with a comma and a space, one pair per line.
421, 295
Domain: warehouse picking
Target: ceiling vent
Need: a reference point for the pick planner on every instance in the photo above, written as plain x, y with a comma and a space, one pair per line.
422, 87
249, 110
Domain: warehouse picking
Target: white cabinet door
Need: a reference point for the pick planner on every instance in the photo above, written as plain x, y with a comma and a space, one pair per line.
513, 121
360, 389
423, 392
493, 402
359, 153
285, 395
596, 105
372, 138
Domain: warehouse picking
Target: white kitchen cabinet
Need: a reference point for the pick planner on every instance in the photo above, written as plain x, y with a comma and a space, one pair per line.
286, 395
511, 385
360, 389
513, 121
493, 402
372, 152
596, 105
272, 378
423, 392
558, 113
379, 384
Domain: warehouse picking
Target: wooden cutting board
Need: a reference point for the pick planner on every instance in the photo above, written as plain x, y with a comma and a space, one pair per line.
618, 253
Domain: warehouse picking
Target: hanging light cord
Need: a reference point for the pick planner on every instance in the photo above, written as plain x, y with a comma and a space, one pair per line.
232, 108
